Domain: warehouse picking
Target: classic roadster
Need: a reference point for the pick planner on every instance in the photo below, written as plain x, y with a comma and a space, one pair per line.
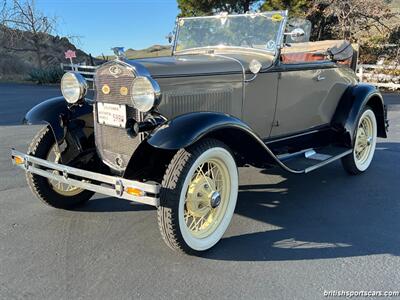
172, 131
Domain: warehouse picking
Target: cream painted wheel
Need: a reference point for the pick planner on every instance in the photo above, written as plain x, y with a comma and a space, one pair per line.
207, 198
364, 145
59, 187
58, 196
198, 197
365, 140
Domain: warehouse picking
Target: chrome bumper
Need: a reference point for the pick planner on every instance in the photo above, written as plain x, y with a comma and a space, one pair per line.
146, 193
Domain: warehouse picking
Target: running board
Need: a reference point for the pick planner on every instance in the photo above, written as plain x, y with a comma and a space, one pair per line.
309, 160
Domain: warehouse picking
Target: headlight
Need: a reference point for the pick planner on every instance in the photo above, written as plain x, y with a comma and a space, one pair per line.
144, 94
73, 87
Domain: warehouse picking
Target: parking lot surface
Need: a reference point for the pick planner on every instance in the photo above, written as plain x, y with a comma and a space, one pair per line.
292, 237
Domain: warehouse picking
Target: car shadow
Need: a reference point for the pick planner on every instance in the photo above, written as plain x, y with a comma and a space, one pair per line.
111, 204
325, 214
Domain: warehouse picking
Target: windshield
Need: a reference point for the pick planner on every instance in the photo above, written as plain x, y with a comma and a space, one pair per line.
260, 31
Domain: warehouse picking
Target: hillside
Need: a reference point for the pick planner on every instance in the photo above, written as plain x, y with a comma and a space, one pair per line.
16, 62
153, 51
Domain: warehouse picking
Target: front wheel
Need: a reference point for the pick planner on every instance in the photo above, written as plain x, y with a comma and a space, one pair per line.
365, 144
51, 192
198, 196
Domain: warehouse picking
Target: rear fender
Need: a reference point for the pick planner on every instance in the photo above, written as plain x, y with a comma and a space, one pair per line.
350, 108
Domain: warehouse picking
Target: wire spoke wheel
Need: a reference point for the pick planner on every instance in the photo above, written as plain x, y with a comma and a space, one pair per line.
364, 139
198, 196
52, 192
207, 198
364, 144
60, 187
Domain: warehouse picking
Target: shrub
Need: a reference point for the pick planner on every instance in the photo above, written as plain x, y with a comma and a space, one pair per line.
44, 76
11, 65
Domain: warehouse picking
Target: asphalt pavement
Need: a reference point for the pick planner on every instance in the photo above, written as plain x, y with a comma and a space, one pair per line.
292, 237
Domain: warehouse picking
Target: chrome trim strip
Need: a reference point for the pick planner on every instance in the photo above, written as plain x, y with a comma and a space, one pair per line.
35, 165
216, 16
287, 156
292, 136
206, 49
243, 73
328, 161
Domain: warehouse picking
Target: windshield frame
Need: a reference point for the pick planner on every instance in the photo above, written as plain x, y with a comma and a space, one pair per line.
205, 49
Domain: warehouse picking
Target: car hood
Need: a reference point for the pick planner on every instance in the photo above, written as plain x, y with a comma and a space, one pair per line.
192, 65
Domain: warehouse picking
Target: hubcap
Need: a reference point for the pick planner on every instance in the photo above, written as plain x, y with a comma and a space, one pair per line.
207, 198
215, 200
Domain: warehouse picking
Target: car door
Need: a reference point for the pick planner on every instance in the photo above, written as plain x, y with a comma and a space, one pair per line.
259, 103
307, 96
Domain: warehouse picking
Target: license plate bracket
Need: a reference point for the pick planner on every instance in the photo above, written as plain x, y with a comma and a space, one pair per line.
110, 114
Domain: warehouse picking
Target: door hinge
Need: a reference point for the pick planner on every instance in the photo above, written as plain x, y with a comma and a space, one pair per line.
275, 123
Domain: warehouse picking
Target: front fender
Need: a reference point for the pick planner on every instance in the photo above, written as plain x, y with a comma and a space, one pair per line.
185, 130
53, 112
350, 107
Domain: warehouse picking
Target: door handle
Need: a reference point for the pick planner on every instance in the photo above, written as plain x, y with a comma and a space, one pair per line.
319, 78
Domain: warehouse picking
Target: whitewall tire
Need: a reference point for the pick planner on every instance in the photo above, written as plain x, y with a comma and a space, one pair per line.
364, 145
198, 196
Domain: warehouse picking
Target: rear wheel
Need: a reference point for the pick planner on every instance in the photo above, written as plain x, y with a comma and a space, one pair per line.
198, 196
52, 192
364, 146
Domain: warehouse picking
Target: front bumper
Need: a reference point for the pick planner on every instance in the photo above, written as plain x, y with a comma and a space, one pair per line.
146, 193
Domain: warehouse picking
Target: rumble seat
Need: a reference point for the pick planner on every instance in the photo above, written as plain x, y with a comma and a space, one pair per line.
340, 50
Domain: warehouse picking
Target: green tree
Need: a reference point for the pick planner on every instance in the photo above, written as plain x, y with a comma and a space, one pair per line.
190, 8
297, 8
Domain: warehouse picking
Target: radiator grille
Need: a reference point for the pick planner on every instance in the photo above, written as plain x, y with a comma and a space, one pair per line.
114, 145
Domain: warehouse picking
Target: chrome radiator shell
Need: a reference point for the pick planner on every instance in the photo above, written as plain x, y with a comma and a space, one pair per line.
114, 145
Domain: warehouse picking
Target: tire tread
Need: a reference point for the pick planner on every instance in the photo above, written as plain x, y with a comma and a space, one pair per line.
43, 140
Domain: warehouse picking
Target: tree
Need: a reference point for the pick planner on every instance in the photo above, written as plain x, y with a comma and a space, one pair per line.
323, 25
25, 28
297, 8
358, 19
190, 8
3, 8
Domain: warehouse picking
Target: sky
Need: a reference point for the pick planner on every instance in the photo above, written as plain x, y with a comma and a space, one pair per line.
103, 24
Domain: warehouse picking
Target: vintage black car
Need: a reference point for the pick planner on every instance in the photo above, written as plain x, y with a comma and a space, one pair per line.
172, 131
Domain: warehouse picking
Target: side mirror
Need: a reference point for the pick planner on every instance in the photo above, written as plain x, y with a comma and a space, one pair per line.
170, 37
297, 34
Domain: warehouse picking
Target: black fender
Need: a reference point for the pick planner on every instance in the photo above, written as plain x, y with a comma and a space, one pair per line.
350, 107
185, 130
57, 113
